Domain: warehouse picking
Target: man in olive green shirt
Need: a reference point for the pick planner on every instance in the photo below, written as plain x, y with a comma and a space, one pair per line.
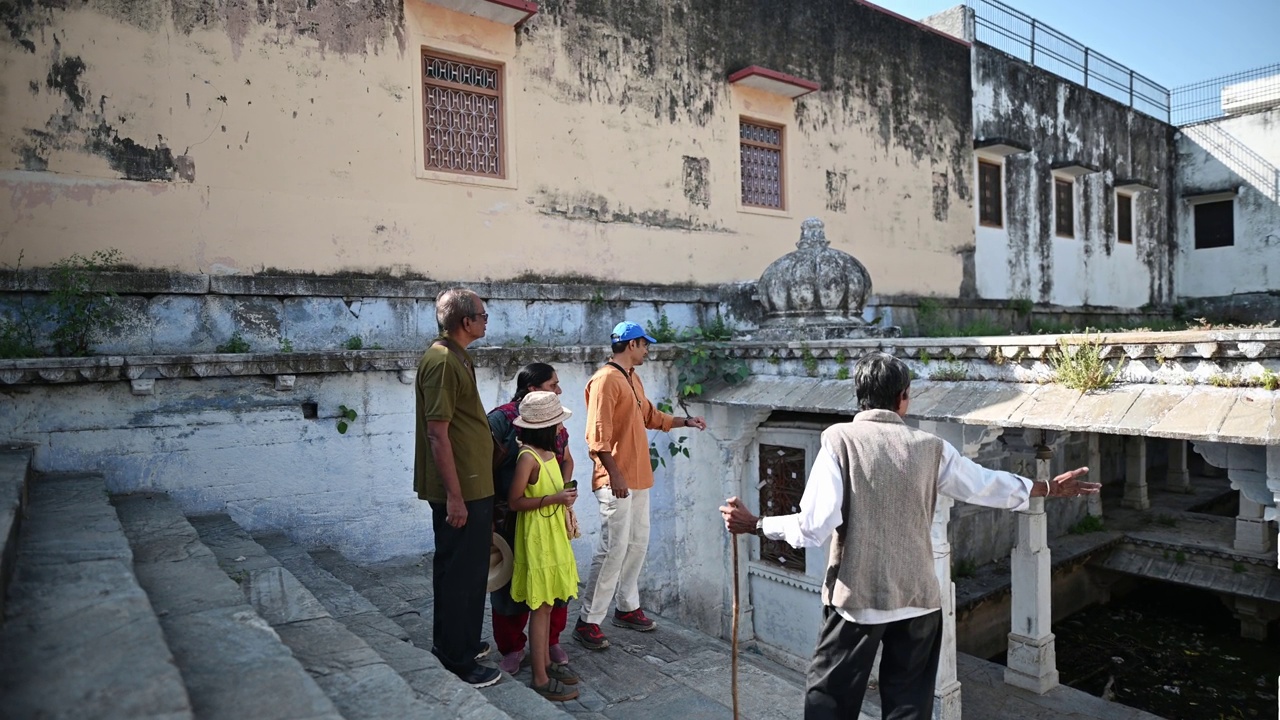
453, 471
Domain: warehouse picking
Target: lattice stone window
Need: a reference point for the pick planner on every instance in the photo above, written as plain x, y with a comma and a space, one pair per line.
762, 172
781, 487
462, 125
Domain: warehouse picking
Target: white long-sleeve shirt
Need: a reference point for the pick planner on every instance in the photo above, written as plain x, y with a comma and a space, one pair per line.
821, 510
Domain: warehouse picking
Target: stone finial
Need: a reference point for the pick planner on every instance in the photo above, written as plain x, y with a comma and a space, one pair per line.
813, 235
815, 282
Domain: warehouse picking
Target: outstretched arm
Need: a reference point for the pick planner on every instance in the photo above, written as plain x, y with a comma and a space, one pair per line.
1068, 484
967, 481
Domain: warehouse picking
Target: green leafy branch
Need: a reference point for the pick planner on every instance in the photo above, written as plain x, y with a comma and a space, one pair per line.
79, 315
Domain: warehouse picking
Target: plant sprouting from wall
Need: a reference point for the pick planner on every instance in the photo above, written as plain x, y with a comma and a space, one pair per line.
809, 360
235, 344
345, 416
717, 330
1080, 365
951, 371
663, 331
80, 315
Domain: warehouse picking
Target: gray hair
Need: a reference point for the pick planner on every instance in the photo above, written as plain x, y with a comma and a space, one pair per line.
879, 380
453, 305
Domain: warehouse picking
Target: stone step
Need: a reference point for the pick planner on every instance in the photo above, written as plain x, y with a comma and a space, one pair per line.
234, 664
671, 672
358, 680
424, 673
403, 593
15, 468
79, 631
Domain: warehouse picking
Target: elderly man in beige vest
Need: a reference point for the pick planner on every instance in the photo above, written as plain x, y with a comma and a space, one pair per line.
874, 485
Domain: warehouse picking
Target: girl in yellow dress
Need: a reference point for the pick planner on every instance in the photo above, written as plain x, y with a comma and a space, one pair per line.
544, 569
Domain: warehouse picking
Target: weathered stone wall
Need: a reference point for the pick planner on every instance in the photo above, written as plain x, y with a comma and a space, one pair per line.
174, 314
178, 313
1239, 154
1063, 123
225, 138
239, 445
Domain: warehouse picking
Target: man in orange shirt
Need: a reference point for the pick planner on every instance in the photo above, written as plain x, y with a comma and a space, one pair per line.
618, 413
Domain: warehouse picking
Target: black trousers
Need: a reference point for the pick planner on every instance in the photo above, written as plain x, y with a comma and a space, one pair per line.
459, 575
841, 666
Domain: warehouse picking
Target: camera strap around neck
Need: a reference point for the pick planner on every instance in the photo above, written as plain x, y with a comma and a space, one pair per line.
631, 385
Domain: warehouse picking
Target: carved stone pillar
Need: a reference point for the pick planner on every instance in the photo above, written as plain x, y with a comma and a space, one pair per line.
1095, 472
1135, 473
1255, 617
1032, 663
1179, 478
946, 692
1253, 532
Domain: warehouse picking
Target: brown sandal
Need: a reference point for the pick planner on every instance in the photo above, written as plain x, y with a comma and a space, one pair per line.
555, 690
563, 674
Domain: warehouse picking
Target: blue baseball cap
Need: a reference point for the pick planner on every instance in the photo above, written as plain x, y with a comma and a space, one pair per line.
627, 330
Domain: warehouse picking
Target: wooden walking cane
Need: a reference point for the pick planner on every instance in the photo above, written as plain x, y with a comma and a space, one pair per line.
734, 646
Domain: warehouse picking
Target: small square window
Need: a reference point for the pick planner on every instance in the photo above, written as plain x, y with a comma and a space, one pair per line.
462, 122
1215, 224
1064, 208
990, 194
1124, 218
760, 146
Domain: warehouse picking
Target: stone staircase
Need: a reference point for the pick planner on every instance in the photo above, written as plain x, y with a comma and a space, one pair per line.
122, 607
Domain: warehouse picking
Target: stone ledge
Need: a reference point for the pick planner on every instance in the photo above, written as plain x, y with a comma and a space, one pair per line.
1191, 344
138, 367
176, 283
1037, 309
121, 283
994, 358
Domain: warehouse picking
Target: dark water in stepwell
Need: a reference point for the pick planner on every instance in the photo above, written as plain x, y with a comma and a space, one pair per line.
1172, 651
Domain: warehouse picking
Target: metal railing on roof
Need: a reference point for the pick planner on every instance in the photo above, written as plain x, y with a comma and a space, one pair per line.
1017, 33
1237, 93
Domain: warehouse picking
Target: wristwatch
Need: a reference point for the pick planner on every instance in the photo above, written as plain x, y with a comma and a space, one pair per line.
760, 527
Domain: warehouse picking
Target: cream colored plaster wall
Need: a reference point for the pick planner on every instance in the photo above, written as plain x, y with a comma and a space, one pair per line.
294, 155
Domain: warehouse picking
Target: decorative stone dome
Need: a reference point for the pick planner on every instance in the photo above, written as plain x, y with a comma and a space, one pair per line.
815, 283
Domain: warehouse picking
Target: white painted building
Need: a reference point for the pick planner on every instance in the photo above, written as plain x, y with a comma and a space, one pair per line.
1228, 210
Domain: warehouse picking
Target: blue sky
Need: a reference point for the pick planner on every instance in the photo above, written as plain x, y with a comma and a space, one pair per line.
1173, 42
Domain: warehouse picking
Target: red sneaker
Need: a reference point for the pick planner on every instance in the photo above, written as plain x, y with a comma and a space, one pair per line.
589, 636
634, 620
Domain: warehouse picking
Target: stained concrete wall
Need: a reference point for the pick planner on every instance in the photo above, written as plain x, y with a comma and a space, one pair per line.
1239, 154
1062, 122
225, 138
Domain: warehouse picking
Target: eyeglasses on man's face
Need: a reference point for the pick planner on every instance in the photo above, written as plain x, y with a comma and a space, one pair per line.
483, 316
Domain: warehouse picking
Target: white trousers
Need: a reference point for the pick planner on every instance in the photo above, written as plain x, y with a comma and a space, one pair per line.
620, 553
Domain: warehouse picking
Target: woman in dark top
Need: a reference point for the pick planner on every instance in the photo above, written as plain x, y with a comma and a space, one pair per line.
509, 616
